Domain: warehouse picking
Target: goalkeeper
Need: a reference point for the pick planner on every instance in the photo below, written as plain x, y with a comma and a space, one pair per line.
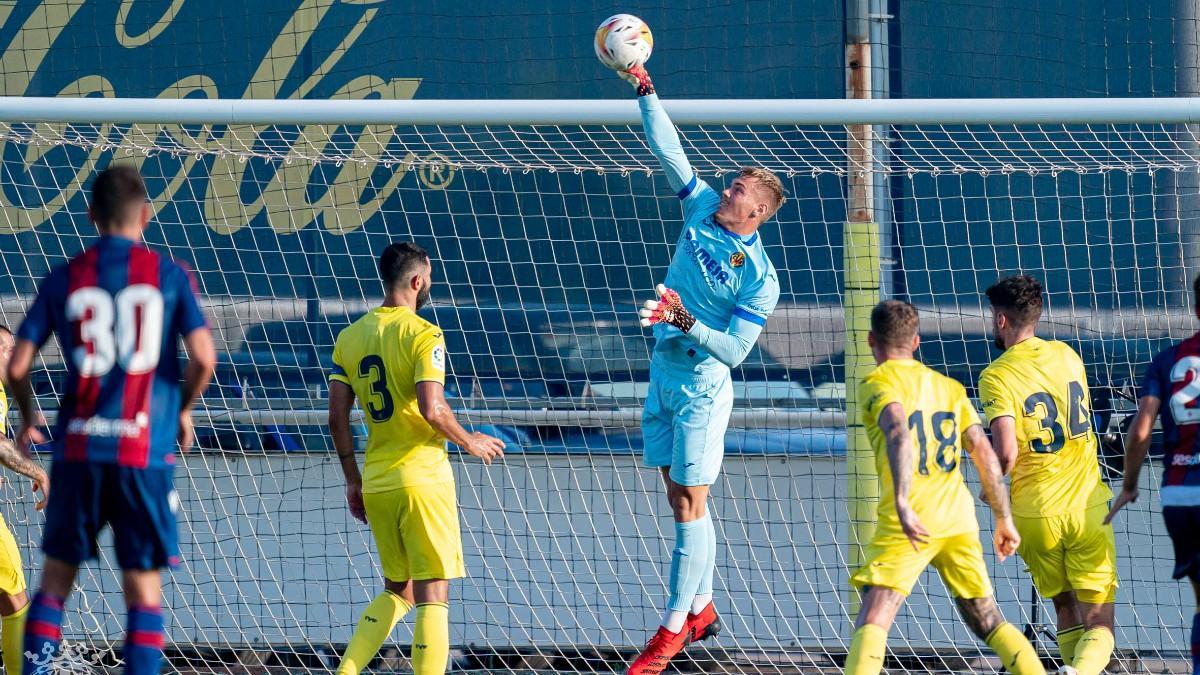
719, 291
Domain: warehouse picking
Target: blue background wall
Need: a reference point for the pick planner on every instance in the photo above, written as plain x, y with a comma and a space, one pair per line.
1075, 234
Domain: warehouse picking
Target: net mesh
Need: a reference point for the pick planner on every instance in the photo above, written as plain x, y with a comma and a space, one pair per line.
544, 240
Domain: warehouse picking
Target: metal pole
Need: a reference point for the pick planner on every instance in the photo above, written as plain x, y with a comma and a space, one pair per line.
580, 112
880, 17
860, 256
1179, 191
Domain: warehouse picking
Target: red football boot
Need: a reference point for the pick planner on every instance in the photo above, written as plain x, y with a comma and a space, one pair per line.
659, 651
702, 626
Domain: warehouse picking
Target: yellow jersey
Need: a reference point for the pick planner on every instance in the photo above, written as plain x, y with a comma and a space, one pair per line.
3, 410
1042, 385
383, 356
938, 413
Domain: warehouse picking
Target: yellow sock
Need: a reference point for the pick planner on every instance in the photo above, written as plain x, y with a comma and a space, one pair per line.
867, 649
377, 622
1094, 651
1018, 656
431, 639
12, 639
1067, 639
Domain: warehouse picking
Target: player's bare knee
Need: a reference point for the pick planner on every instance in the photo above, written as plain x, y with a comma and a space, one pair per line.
879, 607
400, 588
431, 590
1099, 615
11, 604
1067, 610
687, 502
143, 587
981, 615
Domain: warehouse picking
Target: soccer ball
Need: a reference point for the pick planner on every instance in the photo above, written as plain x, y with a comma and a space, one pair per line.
623, 41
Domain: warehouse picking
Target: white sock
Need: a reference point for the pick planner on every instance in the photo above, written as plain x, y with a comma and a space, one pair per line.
700, 602
673, 621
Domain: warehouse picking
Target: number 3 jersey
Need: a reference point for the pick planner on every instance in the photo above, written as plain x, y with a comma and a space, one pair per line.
118, 309
1042, 385
1174, 378
382, 357
938, 412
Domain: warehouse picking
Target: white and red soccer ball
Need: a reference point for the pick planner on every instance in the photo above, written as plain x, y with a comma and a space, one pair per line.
623, 41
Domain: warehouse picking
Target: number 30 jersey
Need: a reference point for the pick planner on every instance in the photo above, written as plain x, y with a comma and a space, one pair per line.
938, 412
118, 309
382, 357
1174, 378
1042, 385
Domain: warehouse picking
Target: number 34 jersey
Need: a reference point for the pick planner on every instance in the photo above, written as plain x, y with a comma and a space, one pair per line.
1174, 378
382, 357
1042, 385
938, 412
118, 309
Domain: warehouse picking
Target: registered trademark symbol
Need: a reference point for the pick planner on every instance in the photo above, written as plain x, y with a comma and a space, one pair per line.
435, 172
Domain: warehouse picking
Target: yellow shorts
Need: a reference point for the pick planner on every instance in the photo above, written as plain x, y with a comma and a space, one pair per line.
12, 574
892, 563
416, 532
1072, 551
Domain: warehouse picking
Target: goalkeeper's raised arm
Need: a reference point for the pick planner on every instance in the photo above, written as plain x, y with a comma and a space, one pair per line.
661, 134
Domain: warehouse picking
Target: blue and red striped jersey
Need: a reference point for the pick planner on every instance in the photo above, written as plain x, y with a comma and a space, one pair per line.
119, 310
1174, 378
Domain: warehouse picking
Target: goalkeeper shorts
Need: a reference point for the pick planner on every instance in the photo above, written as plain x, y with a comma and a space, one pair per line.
684, 422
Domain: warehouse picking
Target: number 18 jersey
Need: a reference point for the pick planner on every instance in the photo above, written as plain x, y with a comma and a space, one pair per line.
382, 357
938, 413
118, 309
1174, 378
1042, 385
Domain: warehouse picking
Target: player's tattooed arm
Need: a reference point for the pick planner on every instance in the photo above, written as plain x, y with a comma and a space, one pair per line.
1005, 538
16, 460
894, 424
991, 474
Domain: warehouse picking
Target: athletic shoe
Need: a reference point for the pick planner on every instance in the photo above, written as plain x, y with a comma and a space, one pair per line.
702, 626
659, 651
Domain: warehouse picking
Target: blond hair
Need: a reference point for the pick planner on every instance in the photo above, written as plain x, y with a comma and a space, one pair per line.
769, 182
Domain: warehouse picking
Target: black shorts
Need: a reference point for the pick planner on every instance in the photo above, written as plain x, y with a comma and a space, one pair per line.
1183, 524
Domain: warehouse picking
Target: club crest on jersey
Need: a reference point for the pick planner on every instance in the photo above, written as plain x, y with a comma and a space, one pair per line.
737, 259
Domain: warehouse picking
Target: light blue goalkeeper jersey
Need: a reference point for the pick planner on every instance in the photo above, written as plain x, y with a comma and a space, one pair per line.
726, 281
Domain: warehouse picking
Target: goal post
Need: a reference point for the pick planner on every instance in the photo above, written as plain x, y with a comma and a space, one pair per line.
548, 222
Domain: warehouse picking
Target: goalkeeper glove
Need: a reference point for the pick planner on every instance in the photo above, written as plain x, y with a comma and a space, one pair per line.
667, 309
639, 78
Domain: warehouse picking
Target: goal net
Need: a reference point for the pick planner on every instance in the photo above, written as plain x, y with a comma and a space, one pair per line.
544, 239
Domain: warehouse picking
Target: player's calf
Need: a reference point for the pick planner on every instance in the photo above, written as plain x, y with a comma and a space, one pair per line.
983, 617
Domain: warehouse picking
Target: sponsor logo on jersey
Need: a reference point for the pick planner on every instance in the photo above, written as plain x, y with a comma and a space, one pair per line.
714, 271
737, 259
1186, 460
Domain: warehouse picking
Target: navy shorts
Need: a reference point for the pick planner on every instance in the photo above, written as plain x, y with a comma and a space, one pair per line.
1183, 524
139, 504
